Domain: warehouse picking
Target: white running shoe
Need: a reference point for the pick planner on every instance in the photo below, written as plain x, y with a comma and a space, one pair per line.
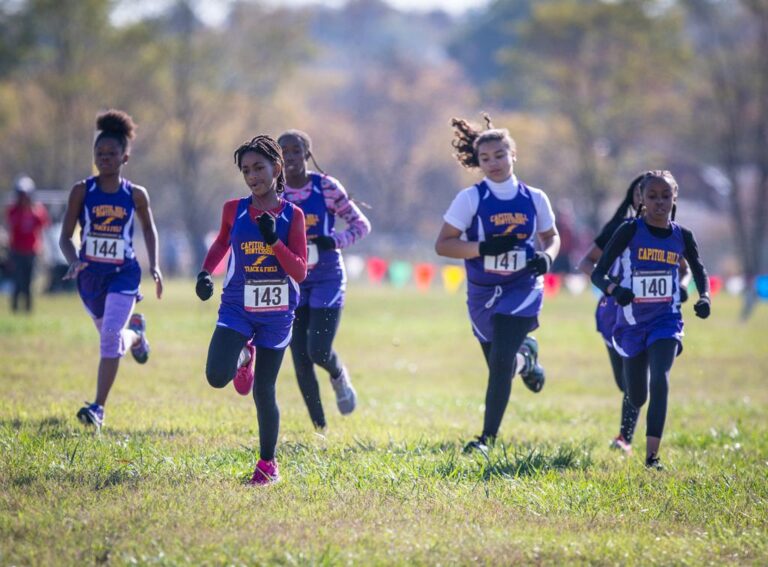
346, 397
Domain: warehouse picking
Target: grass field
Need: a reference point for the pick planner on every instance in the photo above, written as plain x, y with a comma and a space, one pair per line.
164, 482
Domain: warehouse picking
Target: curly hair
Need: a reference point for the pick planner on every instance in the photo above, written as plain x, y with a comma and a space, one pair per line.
306, 141
661, 175
468, 139
266, 146
115, 124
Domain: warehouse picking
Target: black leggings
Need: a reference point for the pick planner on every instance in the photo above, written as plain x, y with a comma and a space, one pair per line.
221, 366
509, 332
23, 274
629, 412
313, 334
657, 359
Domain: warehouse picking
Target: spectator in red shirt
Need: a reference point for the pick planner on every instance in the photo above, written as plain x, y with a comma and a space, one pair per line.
26, 221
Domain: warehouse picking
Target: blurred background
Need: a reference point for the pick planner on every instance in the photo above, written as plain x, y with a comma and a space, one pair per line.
593, 92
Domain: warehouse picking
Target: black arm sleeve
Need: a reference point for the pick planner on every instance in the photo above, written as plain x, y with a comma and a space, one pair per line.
691, 255
616, 245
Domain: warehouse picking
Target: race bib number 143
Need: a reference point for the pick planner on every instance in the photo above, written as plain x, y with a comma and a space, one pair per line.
261, 296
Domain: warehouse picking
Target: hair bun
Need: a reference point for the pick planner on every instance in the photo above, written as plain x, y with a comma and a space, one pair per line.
116, 122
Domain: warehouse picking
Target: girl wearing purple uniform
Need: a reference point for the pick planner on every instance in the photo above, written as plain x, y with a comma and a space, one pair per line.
649, 325
322, 198
493, 227
605, 315
265, 236
105, 266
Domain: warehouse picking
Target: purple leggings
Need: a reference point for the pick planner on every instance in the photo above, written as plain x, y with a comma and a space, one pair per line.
117, 310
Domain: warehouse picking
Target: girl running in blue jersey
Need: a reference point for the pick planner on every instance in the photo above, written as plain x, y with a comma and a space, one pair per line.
605, 315
649, 325
493, 227
265, 236
322, 198
105, 266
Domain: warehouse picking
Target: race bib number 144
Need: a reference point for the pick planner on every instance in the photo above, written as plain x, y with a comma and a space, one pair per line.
108, 249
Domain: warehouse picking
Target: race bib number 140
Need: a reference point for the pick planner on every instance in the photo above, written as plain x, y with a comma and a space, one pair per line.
652, 287
108, 249
266, 295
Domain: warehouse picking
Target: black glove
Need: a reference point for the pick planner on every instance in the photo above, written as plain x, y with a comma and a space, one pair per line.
267, 227
702, 307
204, 286
683, 294
540, 263
498, 245
324, 242
623, 295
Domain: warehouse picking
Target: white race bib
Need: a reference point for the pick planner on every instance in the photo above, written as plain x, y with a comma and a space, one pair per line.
506, 263
108, 249
312, 255
652, 287
265, 295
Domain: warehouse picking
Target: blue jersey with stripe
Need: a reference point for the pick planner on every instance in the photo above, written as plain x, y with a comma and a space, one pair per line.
251, 259
496, 217
650, 266
106, 228
320, 222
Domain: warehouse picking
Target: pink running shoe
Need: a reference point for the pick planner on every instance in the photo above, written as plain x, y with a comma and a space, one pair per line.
265, 473
621, 444
243, 381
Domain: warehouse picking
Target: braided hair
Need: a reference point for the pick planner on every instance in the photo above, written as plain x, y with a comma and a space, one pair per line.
468, 139
662, 175
266, 146
627, 204
306, 141
115, 124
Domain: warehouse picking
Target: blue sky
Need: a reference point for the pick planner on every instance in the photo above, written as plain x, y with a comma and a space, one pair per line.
214, 10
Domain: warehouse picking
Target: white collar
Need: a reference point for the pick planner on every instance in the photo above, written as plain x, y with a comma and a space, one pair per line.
505, 190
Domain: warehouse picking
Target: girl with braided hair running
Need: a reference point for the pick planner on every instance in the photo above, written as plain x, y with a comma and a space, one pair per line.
266, 239
322, 199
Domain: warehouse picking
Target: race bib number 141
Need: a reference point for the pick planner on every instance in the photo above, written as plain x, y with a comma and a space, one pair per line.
506, 263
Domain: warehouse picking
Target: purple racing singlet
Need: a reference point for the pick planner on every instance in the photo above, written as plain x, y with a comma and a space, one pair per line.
258, 298
106, 228
326, 280
650, 267
502, 284
106, 232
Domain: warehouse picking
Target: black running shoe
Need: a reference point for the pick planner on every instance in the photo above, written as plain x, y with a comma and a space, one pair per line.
533, 373
653, 462
480, 444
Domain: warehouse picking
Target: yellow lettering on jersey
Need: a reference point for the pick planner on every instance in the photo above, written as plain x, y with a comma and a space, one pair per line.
109, 211
256, 247
311, 220
658, 255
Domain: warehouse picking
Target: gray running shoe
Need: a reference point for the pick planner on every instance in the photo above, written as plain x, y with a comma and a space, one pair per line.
346, 397
533, 373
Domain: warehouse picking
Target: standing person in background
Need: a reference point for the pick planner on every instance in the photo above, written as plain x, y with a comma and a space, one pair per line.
268, 259
493, 227
106, 269
26, 221
322, 198
649, 324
